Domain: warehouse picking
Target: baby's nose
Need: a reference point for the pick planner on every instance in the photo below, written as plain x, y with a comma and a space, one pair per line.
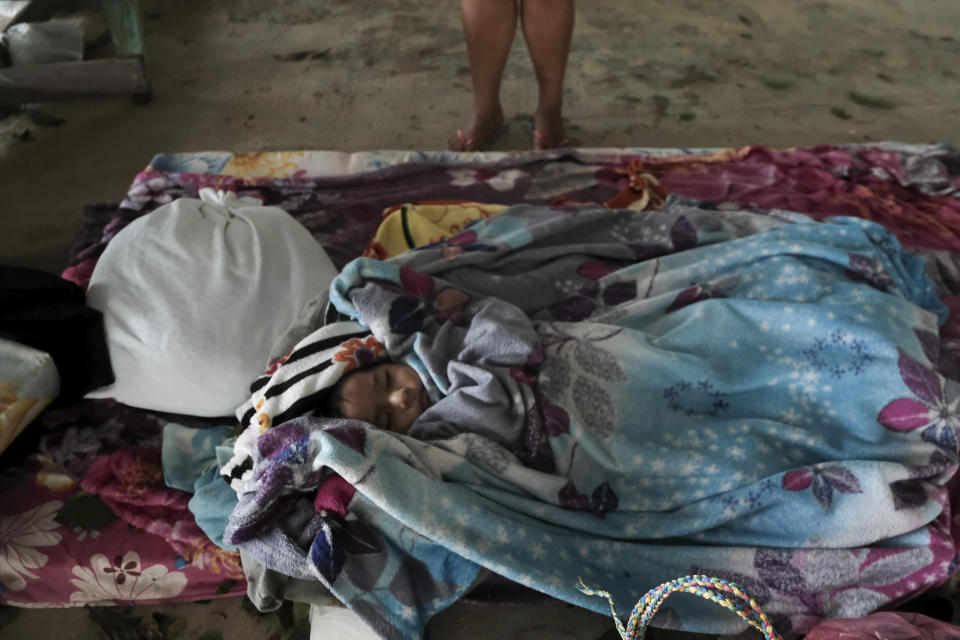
398, 398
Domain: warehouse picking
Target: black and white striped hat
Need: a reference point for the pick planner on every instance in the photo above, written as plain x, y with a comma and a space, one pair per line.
295, 384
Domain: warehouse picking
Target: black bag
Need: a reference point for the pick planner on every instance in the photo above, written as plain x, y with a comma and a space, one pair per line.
48, 313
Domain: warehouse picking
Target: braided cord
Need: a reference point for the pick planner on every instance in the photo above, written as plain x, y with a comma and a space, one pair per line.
713, 589
600, 593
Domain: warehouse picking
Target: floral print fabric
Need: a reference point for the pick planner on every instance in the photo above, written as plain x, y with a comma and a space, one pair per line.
340, 198
72, 549
750, 396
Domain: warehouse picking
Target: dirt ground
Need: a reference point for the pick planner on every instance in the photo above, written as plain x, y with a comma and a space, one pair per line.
249, 75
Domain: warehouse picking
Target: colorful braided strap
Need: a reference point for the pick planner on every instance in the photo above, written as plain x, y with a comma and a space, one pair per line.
713, 589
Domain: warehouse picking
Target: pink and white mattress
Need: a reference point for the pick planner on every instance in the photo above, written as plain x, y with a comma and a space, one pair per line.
85, 517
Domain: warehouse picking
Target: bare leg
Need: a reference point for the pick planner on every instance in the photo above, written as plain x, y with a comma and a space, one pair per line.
488, 27
548, 29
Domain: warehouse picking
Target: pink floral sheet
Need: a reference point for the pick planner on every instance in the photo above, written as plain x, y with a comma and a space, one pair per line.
63, 546
85, 517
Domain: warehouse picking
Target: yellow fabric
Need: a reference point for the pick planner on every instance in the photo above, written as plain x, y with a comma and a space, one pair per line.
28, 383
426, 222
282, 164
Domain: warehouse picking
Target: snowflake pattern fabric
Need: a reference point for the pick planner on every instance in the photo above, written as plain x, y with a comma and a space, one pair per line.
751, 396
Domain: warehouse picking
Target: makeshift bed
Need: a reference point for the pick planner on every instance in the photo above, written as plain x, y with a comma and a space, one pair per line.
88, 519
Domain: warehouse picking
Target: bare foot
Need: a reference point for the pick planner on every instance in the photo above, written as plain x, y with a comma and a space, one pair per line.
478, 135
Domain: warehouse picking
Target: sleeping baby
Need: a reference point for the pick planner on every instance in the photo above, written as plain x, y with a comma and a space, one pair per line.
339, 371
389, 396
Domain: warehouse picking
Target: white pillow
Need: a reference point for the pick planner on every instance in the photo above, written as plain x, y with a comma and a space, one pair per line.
194, 294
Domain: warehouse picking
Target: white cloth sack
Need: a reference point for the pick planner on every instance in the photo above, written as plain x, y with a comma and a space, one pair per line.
194, 295
44, 42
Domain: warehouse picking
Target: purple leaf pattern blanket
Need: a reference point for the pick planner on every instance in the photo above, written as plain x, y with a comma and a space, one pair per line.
629, 397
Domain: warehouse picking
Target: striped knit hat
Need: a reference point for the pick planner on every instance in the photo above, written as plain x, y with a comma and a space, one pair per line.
296, 384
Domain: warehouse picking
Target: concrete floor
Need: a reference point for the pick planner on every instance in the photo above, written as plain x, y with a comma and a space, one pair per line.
250, 75
393, 74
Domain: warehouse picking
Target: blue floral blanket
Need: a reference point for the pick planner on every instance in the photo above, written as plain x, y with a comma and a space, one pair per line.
630, 397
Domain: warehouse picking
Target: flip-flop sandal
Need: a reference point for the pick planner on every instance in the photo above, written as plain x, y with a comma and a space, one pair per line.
480, 143
546, 143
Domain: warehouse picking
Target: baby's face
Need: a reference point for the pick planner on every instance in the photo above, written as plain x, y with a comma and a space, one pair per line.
389, 396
